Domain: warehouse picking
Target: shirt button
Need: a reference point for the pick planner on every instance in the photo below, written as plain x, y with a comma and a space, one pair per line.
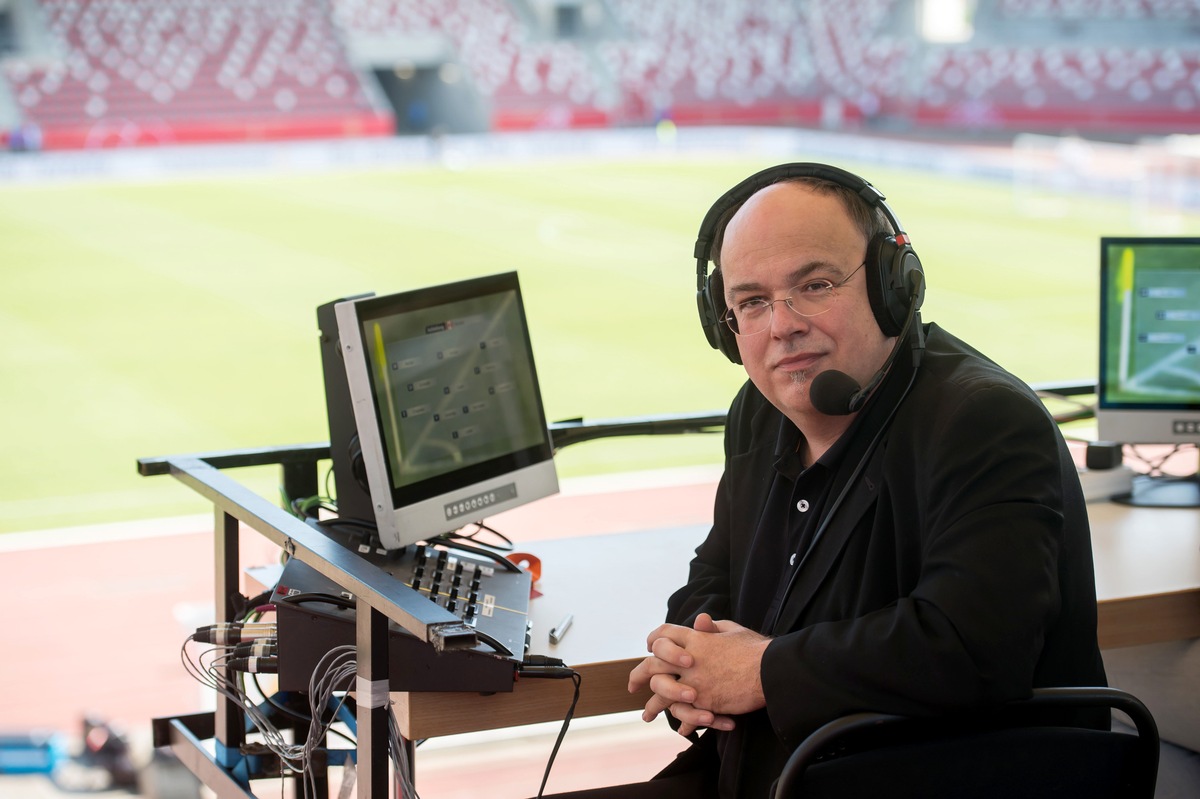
792, 560
802, 506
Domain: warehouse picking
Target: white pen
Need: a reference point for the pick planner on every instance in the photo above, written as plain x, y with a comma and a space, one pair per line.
560, 630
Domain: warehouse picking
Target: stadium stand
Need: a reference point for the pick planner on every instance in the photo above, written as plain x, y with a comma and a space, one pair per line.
145, 71
1109, 88
735, 61
1098, 9
525, 82
821, 62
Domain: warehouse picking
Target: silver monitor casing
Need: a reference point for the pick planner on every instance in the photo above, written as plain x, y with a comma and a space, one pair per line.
402, 526
1159, 416
1148, 425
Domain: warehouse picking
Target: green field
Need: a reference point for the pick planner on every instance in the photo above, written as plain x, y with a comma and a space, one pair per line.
178, 316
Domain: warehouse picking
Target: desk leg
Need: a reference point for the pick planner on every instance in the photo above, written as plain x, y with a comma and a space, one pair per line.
373, 702
230, 732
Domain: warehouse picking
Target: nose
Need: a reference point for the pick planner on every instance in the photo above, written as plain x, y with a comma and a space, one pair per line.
785, 321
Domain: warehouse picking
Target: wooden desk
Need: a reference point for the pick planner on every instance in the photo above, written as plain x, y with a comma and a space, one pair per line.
1147, 580
1147, 573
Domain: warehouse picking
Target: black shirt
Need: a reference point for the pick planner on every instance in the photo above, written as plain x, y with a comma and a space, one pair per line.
795, 507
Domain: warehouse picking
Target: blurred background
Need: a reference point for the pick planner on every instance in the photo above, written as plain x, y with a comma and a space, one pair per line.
185, 181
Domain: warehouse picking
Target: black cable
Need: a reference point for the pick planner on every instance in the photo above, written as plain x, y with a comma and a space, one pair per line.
559, 673
505, 545
493, 643
317, 596
243, 606
486, 553
329, 476
362, 527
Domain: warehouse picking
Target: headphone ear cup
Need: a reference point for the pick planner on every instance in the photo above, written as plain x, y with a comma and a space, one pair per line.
890, 267
711, 303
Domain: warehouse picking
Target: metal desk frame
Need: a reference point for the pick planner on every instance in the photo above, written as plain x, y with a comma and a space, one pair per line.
380, 598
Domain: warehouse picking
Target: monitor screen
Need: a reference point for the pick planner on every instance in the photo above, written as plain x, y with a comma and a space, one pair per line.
447, 405
1149, 383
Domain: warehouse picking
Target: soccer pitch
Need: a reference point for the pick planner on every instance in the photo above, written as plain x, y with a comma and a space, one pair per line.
174, 316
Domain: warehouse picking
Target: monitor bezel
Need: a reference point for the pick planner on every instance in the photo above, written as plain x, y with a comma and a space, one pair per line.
423, 510
1133, 422
1137, 422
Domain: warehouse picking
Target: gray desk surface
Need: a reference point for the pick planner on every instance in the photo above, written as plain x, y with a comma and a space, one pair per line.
616, 587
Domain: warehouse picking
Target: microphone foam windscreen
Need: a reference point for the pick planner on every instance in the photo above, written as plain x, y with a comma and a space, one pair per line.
832, 391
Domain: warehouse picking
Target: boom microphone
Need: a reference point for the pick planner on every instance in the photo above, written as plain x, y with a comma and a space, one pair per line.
835, 393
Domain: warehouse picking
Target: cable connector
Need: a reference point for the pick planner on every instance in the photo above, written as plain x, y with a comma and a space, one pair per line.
232, 633
254, 665
544, 667
263, 647
541, 660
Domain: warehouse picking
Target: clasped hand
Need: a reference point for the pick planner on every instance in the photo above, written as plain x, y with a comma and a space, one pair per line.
704, 674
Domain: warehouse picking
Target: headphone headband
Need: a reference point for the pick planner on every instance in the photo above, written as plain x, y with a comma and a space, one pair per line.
890, 259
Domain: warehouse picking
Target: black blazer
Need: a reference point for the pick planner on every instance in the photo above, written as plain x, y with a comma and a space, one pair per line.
955, 572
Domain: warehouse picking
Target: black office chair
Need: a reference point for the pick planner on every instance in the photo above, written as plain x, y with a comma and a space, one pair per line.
1018, 751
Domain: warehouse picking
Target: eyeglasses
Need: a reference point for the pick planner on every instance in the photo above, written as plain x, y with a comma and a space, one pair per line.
808, 299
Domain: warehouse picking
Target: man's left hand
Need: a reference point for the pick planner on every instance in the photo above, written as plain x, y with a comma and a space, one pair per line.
703, 674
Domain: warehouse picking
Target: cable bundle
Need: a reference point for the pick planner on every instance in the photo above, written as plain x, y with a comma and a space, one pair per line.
216, 668
251, 649
337, 667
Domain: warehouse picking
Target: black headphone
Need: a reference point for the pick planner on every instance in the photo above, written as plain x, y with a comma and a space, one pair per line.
892, 267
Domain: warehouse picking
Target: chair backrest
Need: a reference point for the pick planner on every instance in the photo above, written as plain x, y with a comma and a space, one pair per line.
1023, 749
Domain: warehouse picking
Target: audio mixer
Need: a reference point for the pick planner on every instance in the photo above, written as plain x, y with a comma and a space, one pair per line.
485, 591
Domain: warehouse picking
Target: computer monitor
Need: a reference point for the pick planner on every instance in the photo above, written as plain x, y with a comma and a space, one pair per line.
447, 406
1149, 385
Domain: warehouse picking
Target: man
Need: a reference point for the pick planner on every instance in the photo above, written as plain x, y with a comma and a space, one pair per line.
899, 527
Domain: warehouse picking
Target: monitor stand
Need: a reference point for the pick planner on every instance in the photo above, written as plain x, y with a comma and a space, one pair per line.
1162, 492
